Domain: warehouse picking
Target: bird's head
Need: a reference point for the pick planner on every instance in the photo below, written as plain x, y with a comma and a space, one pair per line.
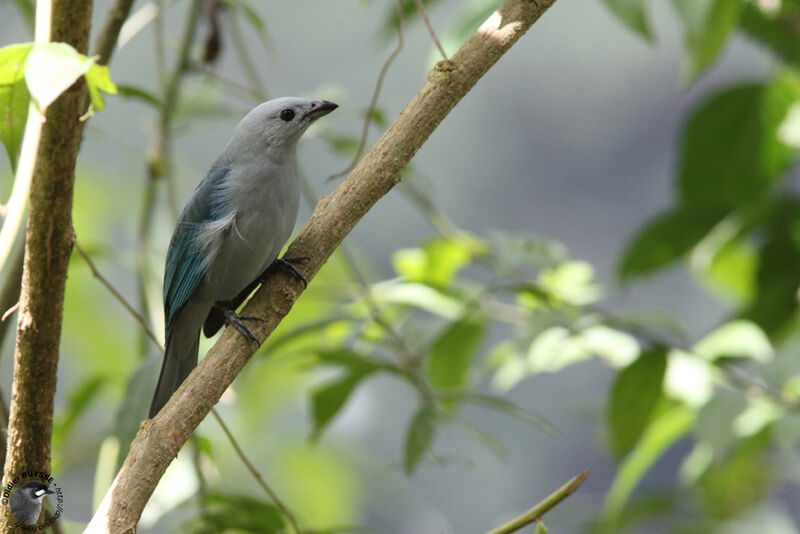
35, 490
278, 124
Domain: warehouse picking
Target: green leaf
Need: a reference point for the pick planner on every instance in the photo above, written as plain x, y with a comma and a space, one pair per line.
419, 437
408, 13
554, 349
689, 379
633, 14
707, 42
438, 261
98, 78
79, 400
736, 339
503, 405
616, 347
777, 280
452, 353
137, 93
741, 480
105, 469
28, 12
222, 512
634, 396
780, 123
51, 69
571, 282
487, 438
342, 143
12, 61
732, 269
253, 18
14, 98
352, 361
419, 296
656, 439
329, 398
733, 139
773, 29
665, 239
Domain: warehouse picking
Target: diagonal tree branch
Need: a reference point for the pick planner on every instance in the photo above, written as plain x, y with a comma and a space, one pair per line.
159, 440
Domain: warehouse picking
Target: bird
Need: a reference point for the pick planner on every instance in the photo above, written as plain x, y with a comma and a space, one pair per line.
229, 234
26, 502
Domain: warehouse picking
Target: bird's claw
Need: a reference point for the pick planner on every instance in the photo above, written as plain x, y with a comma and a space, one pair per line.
287, 266
237, 321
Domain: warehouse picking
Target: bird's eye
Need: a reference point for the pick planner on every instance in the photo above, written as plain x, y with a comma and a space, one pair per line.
287, 115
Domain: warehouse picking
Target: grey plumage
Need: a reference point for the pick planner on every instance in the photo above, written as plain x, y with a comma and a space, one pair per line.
26, 502
232, 229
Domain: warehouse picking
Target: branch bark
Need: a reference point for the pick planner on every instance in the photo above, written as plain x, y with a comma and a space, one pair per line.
159, 440
48, 245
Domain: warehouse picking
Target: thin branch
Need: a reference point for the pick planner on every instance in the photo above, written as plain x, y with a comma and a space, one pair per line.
439, 219
202, 484
9, 296
243, 55
544, 506
253, 471
374, 101
428, 24
9, 312
160, 439
107, 40
103, 280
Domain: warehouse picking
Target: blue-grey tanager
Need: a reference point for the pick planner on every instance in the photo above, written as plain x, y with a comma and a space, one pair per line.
231, 231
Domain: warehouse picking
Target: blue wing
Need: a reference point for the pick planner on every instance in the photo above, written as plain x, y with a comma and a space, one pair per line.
185, 266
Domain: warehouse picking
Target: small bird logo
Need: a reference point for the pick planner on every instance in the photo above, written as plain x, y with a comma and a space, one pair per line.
26, 502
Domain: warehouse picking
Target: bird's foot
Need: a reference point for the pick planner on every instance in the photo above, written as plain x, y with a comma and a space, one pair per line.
238, 322
287, 265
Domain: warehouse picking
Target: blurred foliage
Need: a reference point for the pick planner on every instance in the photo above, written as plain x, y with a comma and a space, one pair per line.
466, 318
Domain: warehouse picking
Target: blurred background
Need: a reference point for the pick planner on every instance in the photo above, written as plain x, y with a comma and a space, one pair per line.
593, 263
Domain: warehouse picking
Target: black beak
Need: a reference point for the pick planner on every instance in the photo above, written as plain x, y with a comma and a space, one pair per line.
320, 108
49, 491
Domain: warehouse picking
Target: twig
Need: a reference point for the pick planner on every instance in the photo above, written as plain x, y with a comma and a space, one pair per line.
107, 40
544, 506
202, 484
243, 55
375, 93
160, 439
440, 221
424, 16
10, 311
10, 292
279, 503
103, 280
